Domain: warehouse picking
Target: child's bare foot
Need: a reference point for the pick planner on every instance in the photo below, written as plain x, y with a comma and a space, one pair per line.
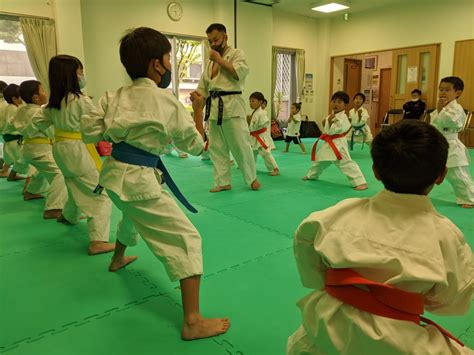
220, 188
15, 177
255, 185
52, 214
304, 153
27, 196
183, 155
118, 263
305, 178
465, 205
100, 248
275, 172
63, 220
231, 162
361, 187
4, 174
204, 328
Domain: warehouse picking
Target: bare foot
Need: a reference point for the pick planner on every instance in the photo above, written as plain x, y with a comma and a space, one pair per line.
465, 205
52, 214
304, 153
118, 263
29, 196
231, 162
204, 328
100, 248
15, 177
220, 188
361, 187
255, 185
3, 175
305, 178
275, 172
183, 155
284, 151
63, 220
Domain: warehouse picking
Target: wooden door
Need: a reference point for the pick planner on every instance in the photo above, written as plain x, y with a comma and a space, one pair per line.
414, 68
352, 78
463, 67
384, 98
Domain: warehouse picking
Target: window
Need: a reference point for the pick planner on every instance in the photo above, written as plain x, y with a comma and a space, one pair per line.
285, 85
187, 61
15, 66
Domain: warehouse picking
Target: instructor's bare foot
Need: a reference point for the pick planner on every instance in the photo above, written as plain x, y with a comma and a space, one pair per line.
465, 205
96, 248
204, 328
361, 187
255, 185
220, 188
118, 263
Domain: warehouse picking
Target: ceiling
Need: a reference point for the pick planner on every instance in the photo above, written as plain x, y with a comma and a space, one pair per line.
303, 7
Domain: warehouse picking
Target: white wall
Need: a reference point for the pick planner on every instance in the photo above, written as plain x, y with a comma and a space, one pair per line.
67, 15
27, 7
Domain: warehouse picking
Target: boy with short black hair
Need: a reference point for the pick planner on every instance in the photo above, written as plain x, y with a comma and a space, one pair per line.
449, 118
376, 263
334, 148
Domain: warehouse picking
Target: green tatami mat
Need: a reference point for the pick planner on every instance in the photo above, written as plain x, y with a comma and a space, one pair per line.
57, 300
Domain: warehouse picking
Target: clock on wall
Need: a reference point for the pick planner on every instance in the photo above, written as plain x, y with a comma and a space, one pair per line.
175, 11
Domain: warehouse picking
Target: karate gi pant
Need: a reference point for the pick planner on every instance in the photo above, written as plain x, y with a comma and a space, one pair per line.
168, 233
347, 166
40, 156
462, 184
12, 155
234, 136
81, 178
267, 156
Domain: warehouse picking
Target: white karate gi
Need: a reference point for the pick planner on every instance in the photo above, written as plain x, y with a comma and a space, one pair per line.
147, 118
325, 155
40, 155
233, 134
390, 238
293, 129
358, 122
77, 166
258, 121
450, 121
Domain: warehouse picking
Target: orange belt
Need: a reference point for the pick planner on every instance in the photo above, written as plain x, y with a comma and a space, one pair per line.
382, 300
329, 140
257, 134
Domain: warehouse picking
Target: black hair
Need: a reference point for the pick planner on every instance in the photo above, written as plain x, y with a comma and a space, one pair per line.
409, 156
28, 89
3, 85
216, 26
63, 79
11, 91
340, 95
257, 95
361, 95
416, 91
138, 47
457, 82
297, 105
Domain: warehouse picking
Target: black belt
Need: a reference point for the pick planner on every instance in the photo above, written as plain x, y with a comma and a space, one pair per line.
12, 137
218, 94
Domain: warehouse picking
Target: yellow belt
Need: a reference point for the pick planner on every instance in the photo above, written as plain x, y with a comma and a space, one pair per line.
38, 140
61, 136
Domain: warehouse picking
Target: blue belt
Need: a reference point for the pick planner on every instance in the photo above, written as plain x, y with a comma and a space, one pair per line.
129, 154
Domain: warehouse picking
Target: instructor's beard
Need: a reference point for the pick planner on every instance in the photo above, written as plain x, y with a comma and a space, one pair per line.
219, 47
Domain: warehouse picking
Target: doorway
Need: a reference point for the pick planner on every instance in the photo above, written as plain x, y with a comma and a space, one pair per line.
383, 97
352, 79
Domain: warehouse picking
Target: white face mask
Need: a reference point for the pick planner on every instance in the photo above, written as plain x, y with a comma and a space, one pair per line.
82, 81
414, 100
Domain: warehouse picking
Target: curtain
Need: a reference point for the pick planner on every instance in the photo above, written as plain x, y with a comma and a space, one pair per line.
299, 73
40, 43
274, 74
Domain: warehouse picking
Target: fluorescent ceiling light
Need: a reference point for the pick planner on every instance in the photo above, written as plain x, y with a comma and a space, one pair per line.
332, 7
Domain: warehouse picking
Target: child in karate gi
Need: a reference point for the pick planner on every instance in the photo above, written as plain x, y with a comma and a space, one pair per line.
359, 118
261, 140
140, 119
449, 118
293, 130
334, 148
78, 162
38, 148
376, 263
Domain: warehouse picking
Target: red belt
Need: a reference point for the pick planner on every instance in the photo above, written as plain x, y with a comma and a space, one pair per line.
256, 134
329, 140
382, 300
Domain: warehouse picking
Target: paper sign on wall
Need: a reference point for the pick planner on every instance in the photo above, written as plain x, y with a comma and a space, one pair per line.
308, 81
412, 75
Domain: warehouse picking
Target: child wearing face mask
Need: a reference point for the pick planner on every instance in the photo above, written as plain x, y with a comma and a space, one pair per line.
140, 119
78, 162
415, 107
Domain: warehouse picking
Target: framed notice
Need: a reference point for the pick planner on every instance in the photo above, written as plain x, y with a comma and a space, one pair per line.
412, 75
370, 62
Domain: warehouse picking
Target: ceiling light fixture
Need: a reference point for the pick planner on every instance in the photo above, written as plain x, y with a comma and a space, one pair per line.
331, 7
